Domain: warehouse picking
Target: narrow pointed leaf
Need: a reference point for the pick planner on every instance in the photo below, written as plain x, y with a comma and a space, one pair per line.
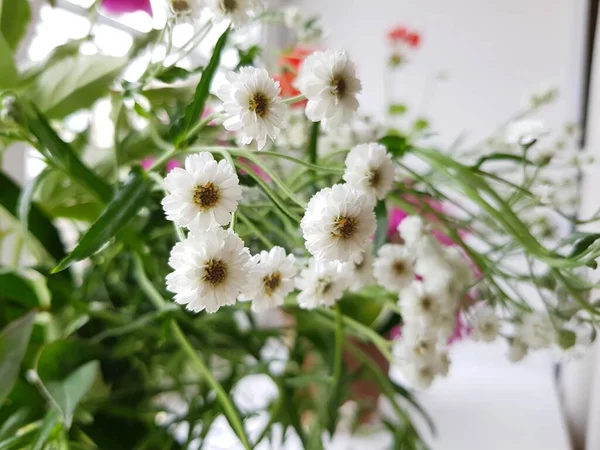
124, 207
194, 109
13, 344
382, 225
25, 286
39, 225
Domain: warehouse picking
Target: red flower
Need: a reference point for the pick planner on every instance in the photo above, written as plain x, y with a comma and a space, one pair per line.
397, 34
413, 39
289, 64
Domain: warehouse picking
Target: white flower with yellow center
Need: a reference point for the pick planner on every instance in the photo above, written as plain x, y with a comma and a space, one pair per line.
272, 279
238, 11
419, 304
211, 268
203, 194
394, 267
363, 270
339, 223
537, 330
369, 168
322, 283
328, 80
252, 105
484, 322
185, 9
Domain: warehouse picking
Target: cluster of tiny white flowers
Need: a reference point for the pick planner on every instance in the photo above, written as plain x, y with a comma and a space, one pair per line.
238, 12
431, 280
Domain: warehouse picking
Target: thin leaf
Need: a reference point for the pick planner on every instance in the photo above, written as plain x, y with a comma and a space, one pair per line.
68, 393
26, 198
8, 69
382, 225
13, 344
194, 109
583, 244
304, 380
124, 207
16, 15
501, 157
25, 286
397, 145
64, 157
39, 225
50, 421
174, 73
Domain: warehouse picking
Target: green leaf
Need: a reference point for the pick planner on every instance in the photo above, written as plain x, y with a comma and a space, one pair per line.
194, 109
74, 83
174, 73
397, 145
247, 57
26, 198
397, 109
304, 380
124, 207
16, 15
583, 244
501, 157
566, 339
421, 124
68, 393
382, 225
13, 344
50, 421
25, 286
64, 157
8, 70
39, 225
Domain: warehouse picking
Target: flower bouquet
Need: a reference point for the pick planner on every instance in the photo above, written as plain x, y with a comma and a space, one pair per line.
248, 256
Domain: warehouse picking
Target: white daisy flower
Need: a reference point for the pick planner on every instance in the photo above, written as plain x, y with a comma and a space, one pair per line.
238, 11
412, 230
525, 132
537, 330
421, 372
328, 80
322, 283
186, 9
251, 100
418, 304
273, 279
210, 269
517, 350
369, 168
485, 322
204, 194
363, 270
394, 267
339, 223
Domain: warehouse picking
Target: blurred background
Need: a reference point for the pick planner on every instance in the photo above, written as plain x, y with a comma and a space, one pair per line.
476, 66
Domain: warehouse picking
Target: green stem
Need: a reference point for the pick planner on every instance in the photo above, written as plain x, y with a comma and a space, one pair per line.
292, 100
225, 401
339, 344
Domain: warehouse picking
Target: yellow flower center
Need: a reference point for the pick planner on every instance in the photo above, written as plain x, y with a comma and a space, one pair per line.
374, 178
338, 86
206, 196
345, 227
272, 282
215, 272
259, 104
229, 6
180, 6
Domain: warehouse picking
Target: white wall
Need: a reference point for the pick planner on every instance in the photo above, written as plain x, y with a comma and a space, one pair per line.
493, 51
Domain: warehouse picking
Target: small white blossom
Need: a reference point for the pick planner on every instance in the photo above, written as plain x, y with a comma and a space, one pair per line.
363, 270
517, 350
238, 11
322, 283
537, 330
202, 195
272, 279
328, 80
418, 304
393, 267
292, 17
186, 9
339, 223
369, 168
485, 323
543, 192
252, 104
412, 229
210, 269
525, 132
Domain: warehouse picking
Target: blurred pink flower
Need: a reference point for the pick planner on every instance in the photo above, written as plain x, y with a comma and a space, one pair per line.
149, 161
127, 6
257, 170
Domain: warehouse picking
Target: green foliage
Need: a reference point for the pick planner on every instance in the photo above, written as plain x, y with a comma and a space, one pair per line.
13, 344
25, 286
74, 83
124, 207
8, 68
397, 109
15, 16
